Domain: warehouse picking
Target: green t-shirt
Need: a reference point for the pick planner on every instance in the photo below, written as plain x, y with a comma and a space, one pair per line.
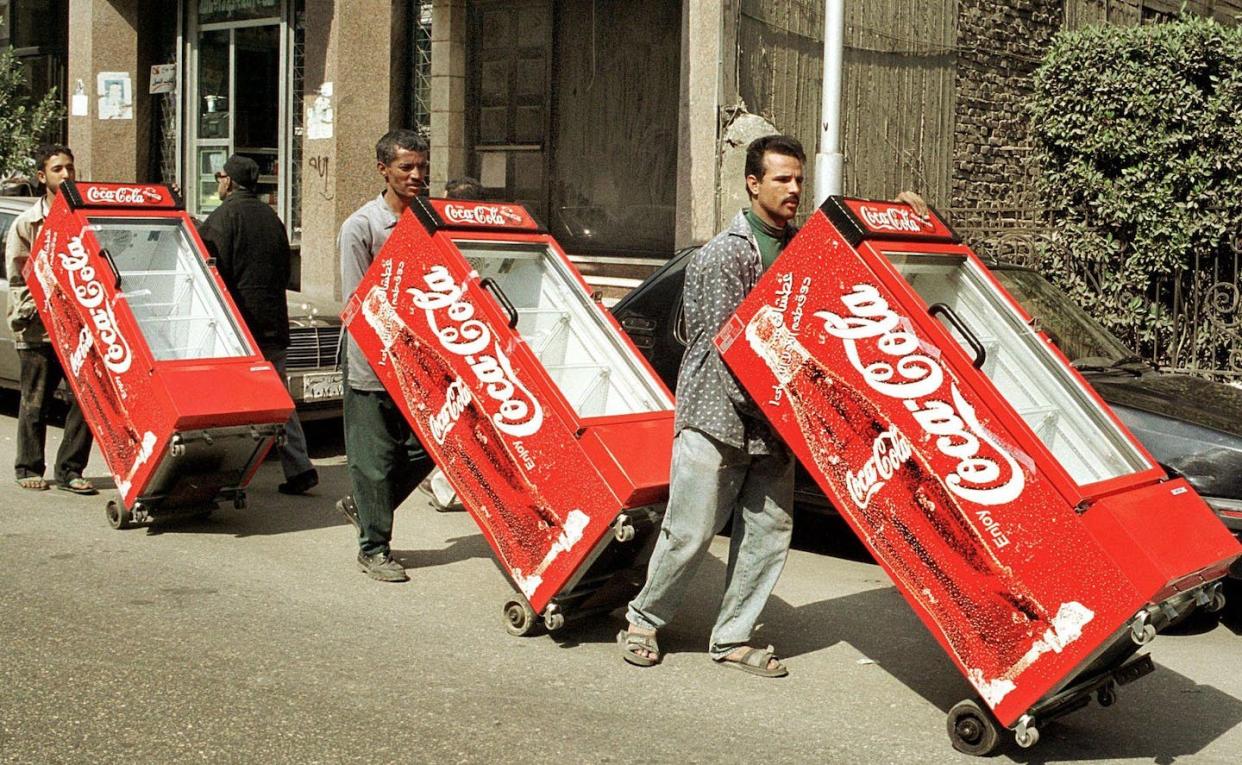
770, 240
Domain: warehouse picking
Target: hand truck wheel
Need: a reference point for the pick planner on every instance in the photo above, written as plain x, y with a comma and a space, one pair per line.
520, 619
119, 516
972, 730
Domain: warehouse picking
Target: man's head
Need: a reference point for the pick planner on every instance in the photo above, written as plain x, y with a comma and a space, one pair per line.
463, 188
238, 172
403, 157
774, 177
53, 166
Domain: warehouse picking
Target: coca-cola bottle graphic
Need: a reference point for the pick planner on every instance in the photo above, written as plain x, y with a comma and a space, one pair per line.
991, 621
516, 515
93, 386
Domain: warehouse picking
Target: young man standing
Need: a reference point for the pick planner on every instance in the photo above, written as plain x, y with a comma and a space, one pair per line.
41, 372
251, 249
386, 460
727, 461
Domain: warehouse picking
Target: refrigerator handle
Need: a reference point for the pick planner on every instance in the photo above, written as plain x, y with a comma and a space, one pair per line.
491, 286
116, 272
940, 309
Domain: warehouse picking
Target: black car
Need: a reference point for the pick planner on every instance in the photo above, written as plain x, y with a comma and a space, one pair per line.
1192, 426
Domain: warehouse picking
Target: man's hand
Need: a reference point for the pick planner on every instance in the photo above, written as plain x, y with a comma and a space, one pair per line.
916, 203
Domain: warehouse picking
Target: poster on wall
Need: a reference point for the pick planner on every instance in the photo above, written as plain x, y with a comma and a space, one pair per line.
116, 95
163, 78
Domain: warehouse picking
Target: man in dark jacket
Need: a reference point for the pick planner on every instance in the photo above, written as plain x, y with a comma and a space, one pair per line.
251, 249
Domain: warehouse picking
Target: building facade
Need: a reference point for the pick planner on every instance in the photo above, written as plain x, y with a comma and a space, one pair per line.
620, 123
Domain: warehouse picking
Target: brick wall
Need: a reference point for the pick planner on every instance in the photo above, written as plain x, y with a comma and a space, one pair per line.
999, 47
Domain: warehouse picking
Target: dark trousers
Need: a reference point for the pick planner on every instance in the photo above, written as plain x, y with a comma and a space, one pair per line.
41, 373
386, 462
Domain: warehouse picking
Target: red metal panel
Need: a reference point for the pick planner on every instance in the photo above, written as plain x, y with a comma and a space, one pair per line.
132, 403
950, 501
128, 196
485, 409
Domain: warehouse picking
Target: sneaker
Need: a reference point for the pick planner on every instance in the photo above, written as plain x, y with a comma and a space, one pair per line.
300, 483
348, 509
381, 566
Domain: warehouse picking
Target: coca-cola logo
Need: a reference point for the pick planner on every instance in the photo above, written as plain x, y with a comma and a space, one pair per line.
897, 219
984, 472
482, 215
90, 294
889, 452
456, 398
451, 317
123, 195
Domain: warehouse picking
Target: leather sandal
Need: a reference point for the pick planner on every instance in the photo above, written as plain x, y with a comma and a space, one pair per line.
631, 643
755, 661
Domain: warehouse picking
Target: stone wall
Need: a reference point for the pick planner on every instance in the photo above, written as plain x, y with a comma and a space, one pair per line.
999, 46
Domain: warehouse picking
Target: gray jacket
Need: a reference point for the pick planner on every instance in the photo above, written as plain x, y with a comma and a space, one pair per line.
709, 398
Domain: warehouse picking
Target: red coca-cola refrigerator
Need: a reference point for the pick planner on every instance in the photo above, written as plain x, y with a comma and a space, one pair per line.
1030, 532
547, 421
180, 400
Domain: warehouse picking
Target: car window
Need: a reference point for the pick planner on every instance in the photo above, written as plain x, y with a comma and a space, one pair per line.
6, 220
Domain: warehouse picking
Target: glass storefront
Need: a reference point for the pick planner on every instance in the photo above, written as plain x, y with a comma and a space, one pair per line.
238, 99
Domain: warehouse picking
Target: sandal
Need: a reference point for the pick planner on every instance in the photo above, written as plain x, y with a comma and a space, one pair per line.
33, 483
630, 643
755, 661
78, 485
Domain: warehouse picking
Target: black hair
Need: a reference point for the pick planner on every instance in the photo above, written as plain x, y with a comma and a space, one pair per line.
402, 138
775, 144
463, 188
47, 151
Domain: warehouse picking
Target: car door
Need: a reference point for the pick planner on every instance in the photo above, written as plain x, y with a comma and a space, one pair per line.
9, 376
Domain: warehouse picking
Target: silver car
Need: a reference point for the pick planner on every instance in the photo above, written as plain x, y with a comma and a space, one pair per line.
314, 334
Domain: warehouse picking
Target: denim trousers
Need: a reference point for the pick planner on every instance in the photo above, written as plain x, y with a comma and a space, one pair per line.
386, 462
294, 459
41, 373
712, 482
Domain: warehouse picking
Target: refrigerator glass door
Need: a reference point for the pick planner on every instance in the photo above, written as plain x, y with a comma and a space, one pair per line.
169, 289
580, 350
1051, 400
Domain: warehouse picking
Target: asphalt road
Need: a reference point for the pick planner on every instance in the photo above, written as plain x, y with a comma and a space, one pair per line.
251, 637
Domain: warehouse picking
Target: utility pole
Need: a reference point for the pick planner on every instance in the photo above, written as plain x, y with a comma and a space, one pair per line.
829, 161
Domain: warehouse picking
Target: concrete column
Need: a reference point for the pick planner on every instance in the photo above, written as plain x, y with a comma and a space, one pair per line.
103, 37
703, 48
450, 156
350, 46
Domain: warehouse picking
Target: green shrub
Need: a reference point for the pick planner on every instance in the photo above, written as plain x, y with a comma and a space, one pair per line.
1139, 133
24, 122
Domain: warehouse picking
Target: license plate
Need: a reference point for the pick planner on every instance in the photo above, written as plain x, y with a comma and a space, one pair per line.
321, 385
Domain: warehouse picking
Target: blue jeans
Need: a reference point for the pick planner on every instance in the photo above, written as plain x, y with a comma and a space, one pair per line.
712, 482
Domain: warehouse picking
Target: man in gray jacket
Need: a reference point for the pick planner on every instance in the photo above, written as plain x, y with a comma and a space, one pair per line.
727, 461
41, 372
386, 460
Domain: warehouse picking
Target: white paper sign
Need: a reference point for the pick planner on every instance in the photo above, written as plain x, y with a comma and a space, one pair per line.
163, 78
116, 95
319, 115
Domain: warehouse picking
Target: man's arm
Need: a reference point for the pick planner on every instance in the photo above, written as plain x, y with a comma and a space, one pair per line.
718, 291
218, 236
355, 244
16, 253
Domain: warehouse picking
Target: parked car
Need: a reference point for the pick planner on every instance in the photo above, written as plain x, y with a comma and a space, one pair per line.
1192, 426
314, 333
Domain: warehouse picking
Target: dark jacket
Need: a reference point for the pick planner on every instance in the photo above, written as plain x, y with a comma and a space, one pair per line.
251, 250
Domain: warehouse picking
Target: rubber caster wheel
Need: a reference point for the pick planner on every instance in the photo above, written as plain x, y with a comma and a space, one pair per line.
1027, 738
972, 729
520, 619
239, 502
119, 516
553, 620
1106, 697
